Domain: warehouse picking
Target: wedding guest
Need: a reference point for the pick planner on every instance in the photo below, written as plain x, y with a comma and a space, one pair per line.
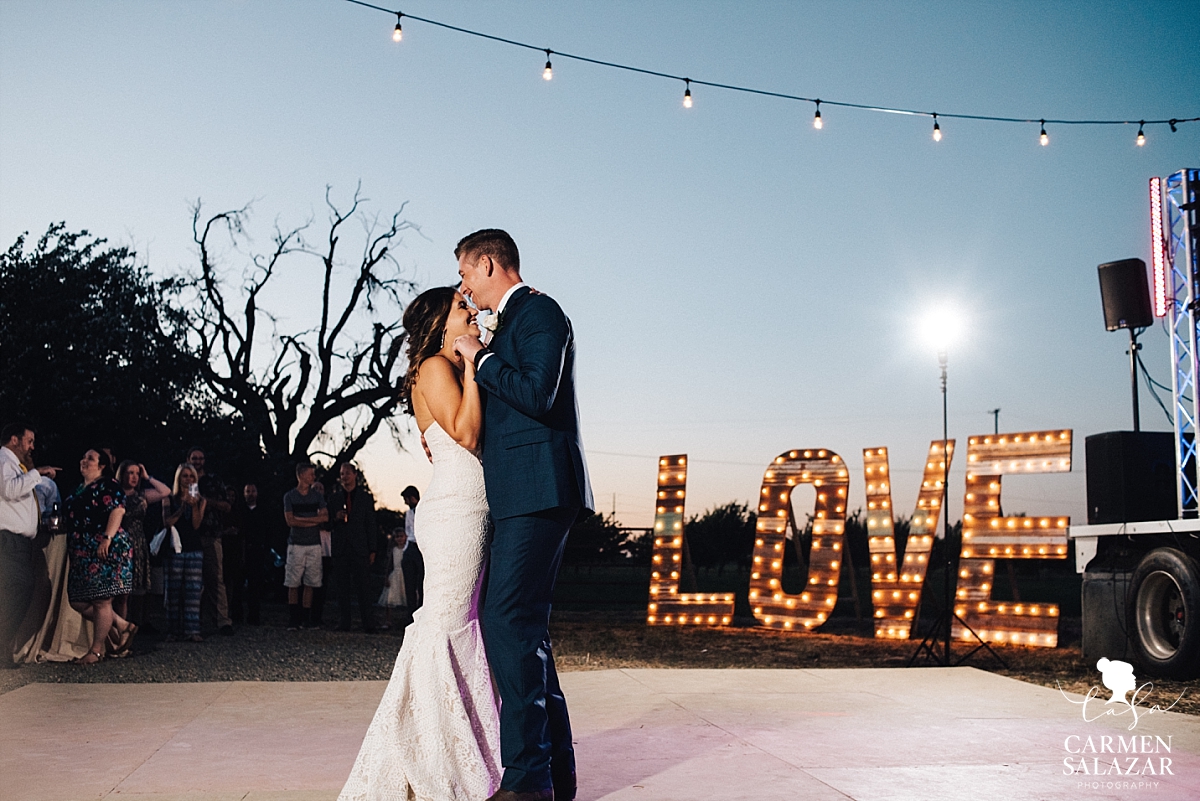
305, 511
214, 603
352, 509
49, 499
141, 492
233, 543
19, 516
316, 615
53, 631
255, 524
101, 554
414, 562
184, 570
394, 595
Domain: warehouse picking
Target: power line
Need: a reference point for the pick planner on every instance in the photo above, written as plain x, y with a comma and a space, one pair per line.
818, 123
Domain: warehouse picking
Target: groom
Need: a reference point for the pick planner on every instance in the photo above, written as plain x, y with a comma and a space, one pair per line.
537, 483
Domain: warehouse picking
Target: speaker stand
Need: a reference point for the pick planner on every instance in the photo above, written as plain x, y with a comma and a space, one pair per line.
1134, 347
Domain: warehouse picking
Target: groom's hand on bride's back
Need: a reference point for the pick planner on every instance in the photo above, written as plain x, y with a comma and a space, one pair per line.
428, 453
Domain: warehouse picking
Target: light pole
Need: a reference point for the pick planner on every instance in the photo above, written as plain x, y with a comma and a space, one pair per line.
941, 329
948, 570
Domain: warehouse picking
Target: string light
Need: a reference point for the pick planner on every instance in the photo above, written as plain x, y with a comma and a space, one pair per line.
1173, 122
1141, 137
687, 94
817, 123
548, 72
1044, 137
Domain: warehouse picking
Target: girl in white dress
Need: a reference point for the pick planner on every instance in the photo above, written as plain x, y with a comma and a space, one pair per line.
394, 593
436, 733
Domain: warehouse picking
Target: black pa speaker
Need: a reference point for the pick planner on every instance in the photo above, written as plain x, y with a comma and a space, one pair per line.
1130, 476
1125, 294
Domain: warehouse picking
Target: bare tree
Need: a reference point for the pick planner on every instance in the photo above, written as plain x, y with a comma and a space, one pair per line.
324, 389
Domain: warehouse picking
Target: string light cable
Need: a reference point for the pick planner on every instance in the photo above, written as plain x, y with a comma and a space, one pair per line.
1044, 139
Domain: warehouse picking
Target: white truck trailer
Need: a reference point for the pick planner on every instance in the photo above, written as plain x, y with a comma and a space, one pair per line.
1140, 552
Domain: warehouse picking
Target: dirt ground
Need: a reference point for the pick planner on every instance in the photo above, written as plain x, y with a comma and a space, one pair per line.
582, 641
586, 641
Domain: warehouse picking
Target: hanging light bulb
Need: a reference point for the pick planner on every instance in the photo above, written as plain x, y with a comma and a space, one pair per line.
1141, 137
937, 130
398, 33
817, 123
548, 72
687, 94
1044, 137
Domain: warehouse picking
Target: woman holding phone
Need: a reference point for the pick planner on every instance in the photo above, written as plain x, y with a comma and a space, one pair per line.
184, 571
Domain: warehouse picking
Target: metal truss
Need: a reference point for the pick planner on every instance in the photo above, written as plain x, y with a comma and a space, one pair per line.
1179, 240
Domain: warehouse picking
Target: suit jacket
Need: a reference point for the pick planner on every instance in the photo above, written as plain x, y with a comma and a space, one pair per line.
412, 567
358, 535
532, 450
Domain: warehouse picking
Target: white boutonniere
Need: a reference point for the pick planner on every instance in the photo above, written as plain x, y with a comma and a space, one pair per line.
489, 324
488, 321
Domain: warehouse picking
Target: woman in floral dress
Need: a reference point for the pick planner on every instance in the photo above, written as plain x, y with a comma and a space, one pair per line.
100, 553
140, 491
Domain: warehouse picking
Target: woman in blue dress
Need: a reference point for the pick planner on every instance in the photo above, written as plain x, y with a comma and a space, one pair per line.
101, 554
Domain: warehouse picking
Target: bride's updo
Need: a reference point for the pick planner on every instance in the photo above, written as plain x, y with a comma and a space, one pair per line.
425, 321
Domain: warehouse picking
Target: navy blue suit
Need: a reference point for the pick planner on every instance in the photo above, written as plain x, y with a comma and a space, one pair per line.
537, 483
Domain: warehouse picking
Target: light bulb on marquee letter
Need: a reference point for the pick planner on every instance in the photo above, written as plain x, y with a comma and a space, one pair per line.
896, 589
668, 606
988, 537
826, 471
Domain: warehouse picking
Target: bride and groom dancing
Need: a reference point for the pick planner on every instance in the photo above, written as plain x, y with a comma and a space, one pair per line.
440, 731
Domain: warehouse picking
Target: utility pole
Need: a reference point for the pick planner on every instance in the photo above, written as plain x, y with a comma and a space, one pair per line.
995, 413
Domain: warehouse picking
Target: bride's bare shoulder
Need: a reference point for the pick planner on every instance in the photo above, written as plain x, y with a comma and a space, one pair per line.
435, 370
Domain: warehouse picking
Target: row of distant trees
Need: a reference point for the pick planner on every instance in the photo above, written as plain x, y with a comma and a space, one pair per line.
720, 539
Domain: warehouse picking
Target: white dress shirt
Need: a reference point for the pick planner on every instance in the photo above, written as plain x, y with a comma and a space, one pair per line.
18, 504
410, 526
500, 311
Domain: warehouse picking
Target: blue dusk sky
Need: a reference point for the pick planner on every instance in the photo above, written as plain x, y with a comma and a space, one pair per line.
740, 283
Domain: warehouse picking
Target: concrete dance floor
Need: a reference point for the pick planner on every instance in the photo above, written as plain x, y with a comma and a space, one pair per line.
650, 735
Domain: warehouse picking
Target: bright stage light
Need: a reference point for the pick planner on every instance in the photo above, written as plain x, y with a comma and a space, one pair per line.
942, 327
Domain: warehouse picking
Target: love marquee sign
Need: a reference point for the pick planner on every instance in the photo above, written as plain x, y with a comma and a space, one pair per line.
895, 588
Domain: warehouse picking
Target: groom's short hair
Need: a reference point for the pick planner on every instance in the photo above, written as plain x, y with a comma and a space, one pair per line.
490, 242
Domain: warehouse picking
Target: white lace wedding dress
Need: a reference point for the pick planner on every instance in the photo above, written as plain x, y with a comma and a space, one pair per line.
436, 733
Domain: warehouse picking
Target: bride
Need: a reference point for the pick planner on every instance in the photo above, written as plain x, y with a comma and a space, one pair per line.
436, 733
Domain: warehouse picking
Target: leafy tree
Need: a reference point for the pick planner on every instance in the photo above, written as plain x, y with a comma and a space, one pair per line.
88, 356
638, 547
595, 539
722, 535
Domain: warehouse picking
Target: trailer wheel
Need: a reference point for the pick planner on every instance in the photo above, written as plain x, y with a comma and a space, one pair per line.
1164, 610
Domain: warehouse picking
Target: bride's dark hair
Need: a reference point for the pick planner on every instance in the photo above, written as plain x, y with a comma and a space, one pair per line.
425, 322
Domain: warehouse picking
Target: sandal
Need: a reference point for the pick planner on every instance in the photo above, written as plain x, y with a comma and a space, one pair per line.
96, 656
122, 646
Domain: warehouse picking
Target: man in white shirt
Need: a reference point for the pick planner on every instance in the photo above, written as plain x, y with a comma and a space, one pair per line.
413, 563
19, 515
